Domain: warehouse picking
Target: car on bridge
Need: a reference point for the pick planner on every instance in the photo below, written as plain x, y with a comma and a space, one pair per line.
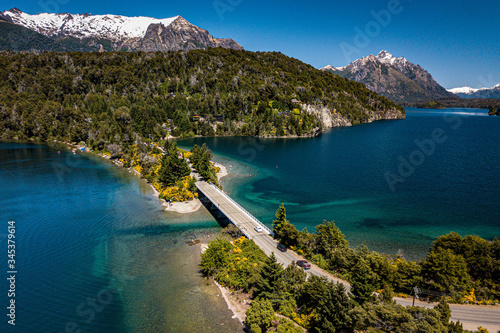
258, 228
304, 264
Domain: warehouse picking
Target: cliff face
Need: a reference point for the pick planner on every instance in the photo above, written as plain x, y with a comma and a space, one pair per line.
181, 35
331, 118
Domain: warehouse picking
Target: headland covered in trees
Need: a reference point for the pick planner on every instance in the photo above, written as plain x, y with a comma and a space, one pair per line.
106, 98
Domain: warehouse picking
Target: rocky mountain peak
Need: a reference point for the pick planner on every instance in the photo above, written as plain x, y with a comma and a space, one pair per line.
15, 10
385, 56
394, 77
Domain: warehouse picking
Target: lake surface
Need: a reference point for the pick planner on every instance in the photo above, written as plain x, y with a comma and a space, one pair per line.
95, 251
447, 164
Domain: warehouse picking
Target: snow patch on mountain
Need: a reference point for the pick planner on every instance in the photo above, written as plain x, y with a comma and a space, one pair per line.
386, 57
469, 90
108, 26
329, 67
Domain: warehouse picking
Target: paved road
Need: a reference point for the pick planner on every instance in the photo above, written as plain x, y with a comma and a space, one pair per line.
471, 316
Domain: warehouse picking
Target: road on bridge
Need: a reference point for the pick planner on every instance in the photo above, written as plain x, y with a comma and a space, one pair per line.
471, 316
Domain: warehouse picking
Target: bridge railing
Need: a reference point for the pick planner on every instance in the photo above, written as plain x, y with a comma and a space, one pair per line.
244, 210
227, 215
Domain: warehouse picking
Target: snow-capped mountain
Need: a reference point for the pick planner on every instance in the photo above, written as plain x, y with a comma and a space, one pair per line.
463, 90
121, 32
114, 27
394, 77
468, 92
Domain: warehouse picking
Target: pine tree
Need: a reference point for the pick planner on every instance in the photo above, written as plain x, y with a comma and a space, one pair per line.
270, 278
363, 281
260, 316
333, 309
172, 168
280, 219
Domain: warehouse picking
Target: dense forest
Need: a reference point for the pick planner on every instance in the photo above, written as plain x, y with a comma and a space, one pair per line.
457, 102
456, 269
116, 98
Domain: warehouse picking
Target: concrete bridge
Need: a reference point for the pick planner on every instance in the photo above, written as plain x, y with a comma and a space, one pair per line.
247, 223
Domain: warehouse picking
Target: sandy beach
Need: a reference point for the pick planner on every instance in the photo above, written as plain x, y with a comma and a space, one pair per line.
192, 205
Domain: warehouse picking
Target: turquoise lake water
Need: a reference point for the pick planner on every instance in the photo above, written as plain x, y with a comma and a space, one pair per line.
448, 185
95, 251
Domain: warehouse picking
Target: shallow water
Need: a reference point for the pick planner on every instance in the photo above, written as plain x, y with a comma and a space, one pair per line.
96, 252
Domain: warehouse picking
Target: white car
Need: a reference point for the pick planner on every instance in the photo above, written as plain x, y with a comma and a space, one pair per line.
258, 228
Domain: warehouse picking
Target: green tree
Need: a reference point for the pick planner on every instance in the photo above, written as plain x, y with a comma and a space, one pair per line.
329, 238
260, 315
200, 158
445, 271
406, 276
284, 231
444, 312
295, 278
330, 303
173, 168
287, 326
268, 286
216, 256
363, 282
280, 219
387, 295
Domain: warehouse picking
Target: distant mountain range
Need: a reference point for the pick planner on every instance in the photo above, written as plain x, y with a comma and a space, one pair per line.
396, 78
85, 32
467, 92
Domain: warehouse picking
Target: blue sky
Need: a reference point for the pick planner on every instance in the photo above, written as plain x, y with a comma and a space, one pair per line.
458, 42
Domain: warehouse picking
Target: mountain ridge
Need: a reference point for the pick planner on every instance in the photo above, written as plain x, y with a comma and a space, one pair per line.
117, 32
394, 77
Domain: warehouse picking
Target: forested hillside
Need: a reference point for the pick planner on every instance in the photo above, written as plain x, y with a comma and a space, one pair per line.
116, 97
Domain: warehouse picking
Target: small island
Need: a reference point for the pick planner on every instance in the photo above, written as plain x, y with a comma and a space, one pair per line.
492, 112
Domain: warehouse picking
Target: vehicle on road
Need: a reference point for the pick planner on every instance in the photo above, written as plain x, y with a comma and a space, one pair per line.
304, 264
258, 228
281, 247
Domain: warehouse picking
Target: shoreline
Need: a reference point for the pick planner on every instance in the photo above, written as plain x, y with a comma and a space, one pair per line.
234, 304
191, 206
184, 207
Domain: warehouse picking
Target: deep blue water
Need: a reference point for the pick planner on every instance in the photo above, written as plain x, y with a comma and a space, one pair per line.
448, 185
96, 253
